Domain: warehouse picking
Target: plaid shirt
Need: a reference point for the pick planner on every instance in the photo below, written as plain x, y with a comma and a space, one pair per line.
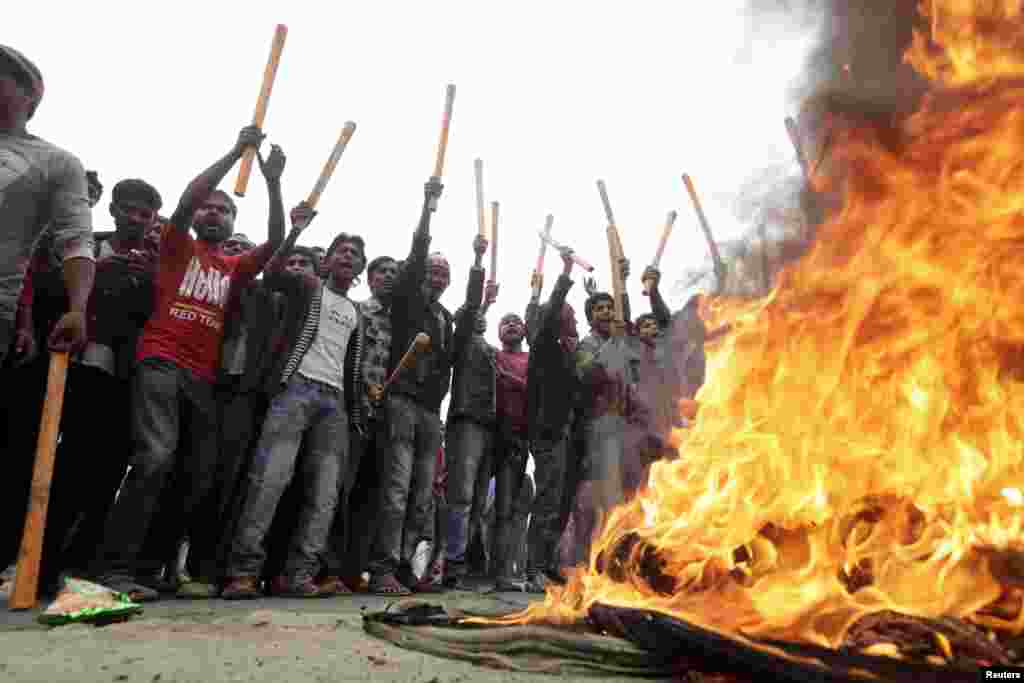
376, 348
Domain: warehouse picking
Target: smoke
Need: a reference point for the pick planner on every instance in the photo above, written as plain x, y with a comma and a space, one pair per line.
854, 63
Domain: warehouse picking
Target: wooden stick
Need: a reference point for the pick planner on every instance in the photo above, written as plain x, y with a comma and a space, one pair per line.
494, 241
716, 257
419, 345
614, 255
670, 220
576, 259
604, 200
794, 138
332, 163
26, 581
549, 222
280, 33
442, 146
481, 219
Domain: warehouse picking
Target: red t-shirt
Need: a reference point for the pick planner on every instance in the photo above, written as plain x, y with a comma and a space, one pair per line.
512, 392
193, 283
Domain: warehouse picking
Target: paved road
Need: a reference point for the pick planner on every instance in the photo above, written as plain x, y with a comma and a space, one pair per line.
273, 640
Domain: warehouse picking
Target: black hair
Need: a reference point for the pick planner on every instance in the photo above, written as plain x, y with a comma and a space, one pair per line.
228, 200
345, 238
644, 318
378, 262
138, 190
310, 253
592, 301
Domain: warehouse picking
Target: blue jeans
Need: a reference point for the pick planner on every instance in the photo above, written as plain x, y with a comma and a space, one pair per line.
468, 456
305, 410
166, 399
406, 513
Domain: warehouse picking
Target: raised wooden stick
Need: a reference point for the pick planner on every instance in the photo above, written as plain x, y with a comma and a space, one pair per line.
794, 138
280, 33
494, 242
538, 269
716, 256
442, 145
615, 254
26, 581
332, 163
549, 222
561, 247
670, 220
419, 345
481, 219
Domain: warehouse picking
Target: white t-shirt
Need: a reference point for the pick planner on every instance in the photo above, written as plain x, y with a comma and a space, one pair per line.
325, 359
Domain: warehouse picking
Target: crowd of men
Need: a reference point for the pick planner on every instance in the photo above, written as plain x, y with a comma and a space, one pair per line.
234, 395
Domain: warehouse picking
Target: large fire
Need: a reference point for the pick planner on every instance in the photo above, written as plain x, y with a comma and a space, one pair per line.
860, 442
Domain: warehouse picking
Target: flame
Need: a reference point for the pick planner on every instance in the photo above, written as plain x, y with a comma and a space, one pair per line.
859, 442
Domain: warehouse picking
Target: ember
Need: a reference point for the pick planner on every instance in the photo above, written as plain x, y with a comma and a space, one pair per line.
854, 476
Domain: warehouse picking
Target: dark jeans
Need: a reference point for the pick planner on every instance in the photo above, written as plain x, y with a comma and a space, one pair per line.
601, 486
355, 522
241, 415
21, 401
164, 396
511, 507
304, 410
468, 446
91, 461
407, 480
549, 459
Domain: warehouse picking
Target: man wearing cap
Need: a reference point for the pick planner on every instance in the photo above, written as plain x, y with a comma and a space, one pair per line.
40, 185
42, 189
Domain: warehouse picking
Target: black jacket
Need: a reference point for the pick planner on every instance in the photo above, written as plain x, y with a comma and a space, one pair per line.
428, 381
474, 384
551, 378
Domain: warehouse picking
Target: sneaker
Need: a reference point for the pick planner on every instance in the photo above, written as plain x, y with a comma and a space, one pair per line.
197, 590
157, 582
242, 588
284, 587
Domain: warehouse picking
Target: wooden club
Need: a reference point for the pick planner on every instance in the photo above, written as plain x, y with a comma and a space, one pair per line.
549, 222
670, 220
494, 242
269, 73
442, 145
716, 256
26, 581
419, 345
614, 255
331, 164
481, 218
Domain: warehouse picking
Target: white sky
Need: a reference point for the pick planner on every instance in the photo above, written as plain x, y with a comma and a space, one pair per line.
551, 95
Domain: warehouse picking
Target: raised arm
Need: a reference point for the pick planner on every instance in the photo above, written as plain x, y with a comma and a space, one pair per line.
471, 307
659, 308
207, 181
252, 262
414, 270
552, 322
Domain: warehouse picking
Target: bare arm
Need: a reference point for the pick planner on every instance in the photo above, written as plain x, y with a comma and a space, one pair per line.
206, 182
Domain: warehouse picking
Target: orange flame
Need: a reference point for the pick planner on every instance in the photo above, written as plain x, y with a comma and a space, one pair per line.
859, 442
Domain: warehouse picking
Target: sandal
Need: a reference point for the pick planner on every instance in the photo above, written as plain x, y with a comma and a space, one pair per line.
334, 586
387, 585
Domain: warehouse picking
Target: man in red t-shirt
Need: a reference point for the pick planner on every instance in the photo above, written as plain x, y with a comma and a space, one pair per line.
178, 355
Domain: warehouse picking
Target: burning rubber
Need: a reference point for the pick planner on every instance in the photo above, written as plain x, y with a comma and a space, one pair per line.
849, 504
